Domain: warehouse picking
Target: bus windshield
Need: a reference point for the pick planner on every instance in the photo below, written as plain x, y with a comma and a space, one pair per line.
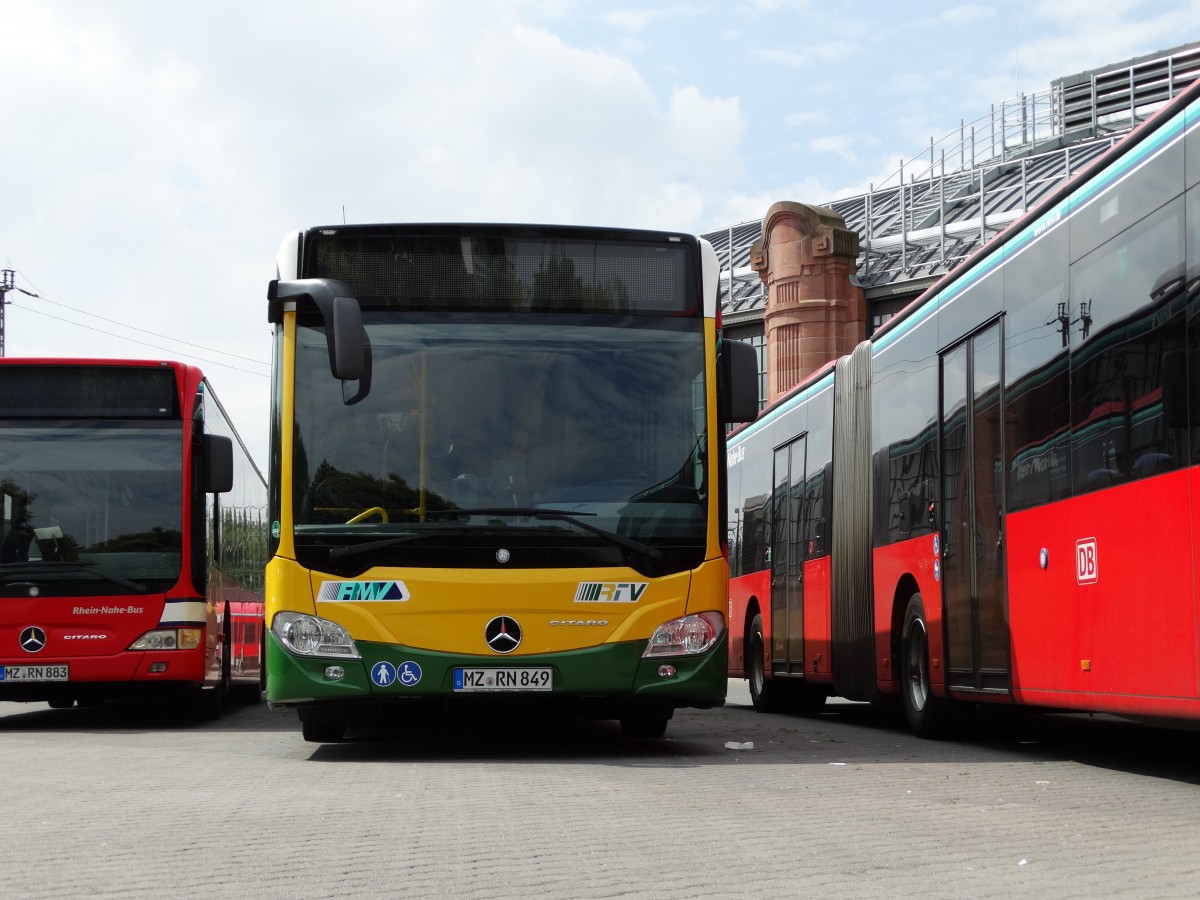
90, 509
601, 417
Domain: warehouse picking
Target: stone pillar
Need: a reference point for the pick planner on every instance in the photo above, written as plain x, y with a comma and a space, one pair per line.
814, 313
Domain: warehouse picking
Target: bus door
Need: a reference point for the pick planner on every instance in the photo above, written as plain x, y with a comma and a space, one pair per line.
787, 559
974, 590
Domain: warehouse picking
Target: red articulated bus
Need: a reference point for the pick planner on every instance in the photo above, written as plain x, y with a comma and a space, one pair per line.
132, 537
995, 498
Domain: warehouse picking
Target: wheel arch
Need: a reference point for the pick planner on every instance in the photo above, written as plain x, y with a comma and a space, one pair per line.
753, 608
906, 586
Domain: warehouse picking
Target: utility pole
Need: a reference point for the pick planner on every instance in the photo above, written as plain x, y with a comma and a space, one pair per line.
8, 283
5, 286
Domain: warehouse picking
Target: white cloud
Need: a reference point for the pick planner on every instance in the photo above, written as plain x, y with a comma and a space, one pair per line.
638, 18
964, 14
164, 153
805, 118
809, 55
766, 7
748, 207
841, 144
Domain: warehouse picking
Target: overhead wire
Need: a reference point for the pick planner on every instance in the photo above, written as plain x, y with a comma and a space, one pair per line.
165, 337
215, 362
117, 322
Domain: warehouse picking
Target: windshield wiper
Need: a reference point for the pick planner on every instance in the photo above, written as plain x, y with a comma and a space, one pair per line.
528, 512
336, 553
79, 567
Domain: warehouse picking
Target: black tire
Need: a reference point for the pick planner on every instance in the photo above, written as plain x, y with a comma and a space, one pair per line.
809, 699
323, 731
247, 693
209, 702
250, 693
928, 716
765, 694
212, 699
645, 725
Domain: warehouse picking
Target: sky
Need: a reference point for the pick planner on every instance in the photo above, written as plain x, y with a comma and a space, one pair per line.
154, 155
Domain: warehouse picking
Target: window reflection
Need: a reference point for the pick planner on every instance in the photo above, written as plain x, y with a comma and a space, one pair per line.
605, 418
99, 495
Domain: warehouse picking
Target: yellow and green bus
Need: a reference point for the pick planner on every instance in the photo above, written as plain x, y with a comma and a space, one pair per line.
497, 473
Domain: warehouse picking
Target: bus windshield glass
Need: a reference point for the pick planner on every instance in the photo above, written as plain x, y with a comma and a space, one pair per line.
467, 415
90, 508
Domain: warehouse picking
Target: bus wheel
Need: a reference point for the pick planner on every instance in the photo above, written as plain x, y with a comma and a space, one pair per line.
645, 725
323, 731
209, 702
928, 716
810, 700
764, 693
245, 694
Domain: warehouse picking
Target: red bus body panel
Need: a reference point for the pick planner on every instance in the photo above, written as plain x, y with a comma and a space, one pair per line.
818, 637
1111, 621
92, 635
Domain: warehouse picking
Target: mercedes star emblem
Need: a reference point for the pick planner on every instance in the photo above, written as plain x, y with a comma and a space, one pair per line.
502, 634
33, 639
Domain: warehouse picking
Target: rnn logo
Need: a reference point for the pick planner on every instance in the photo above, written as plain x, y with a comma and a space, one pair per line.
363, 591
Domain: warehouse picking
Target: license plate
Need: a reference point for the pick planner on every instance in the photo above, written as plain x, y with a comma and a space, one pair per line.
35, 673
512, 679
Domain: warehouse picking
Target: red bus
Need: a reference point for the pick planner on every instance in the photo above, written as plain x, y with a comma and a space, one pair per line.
132, 537
995, 499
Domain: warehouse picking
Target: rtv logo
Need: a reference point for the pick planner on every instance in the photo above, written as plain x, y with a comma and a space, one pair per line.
1085, 561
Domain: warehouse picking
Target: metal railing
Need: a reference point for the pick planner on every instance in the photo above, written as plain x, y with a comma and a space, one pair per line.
942, 203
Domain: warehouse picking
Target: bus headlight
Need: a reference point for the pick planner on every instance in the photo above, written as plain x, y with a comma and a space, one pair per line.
685, 636
168, 639
313, 636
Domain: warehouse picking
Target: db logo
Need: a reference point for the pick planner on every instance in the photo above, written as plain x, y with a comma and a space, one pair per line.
1085, 561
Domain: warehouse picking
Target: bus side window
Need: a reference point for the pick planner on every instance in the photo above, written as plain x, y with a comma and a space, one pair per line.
1179, 397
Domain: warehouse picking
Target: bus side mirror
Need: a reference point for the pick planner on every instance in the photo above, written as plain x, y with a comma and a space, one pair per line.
340, 313
218, 464
346, 339
737, 374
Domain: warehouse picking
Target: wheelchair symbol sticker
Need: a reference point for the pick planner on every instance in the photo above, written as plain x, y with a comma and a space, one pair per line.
410, 673
383, 673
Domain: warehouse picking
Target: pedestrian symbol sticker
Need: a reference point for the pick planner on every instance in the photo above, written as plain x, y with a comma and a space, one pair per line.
383, 673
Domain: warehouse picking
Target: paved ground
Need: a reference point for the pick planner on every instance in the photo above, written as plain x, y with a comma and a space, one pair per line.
120, 802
